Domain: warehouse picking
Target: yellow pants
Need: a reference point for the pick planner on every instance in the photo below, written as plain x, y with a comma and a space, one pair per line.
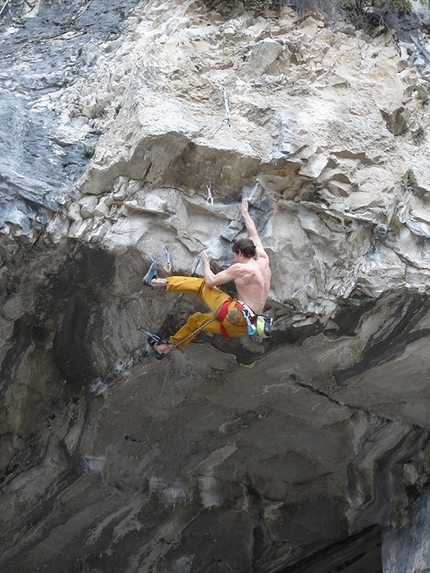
234, 323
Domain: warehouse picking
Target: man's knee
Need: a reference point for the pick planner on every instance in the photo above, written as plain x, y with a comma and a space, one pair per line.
194, 319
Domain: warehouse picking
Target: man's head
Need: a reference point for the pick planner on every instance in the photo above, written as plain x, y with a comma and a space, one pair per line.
246, 247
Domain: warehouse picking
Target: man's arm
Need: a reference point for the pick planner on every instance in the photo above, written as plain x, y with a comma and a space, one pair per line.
220, 278
251, 228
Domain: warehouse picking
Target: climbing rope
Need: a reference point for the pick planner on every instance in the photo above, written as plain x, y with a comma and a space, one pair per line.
146, 441
4, 6
194, 332
157, 406
169, 359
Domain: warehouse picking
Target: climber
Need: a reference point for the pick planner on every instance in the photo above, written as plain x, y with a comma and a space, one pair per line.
229, 317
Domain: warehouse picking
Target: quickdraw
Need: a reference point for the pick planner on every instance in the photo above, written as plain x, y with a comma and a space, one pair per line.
210, 199
227, 111
168, 265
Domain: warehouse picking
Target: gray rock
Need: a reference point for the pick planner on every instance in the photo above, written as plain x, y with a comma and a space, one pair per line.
302, 452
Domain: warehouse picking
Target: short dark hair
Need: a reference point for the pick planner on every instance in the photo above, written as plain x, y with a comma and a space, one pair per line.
246, 247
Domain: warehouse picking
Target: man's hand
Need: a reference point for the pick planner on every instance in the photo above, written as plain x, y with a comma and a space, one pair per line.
208, 275
206, 257
243, 207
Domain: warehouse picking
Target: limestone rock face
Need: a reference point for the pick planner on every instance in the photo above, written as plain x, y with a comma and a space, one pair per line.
133, 135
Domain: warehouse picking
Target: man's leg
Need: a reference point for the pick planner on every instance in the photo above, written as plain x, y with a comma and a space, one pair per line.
195, 323
197, 320
212, 297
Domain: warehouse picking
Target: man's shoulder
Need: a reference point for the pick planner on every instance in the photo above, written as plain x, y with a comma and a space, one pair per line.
234, 269
263, 260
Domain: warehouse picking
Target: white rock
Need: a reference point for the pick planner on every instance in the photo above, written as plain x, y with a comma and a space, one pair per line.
262, 55
88, 204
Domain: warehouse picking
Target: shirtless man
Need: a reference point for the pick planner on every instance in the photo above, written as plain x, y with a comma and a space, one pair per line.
251, 275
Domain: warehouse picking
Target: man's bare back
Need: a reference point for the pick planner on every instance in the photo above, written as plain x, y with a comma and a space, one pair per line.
253, 283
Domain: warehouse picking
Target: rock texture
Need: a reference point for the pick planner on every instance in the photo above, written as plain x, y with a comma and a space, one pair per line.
300, 454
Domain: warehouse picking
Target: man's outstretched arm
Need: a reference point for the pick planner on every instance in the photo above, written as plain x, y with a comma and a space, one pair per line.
221, 278
251, 228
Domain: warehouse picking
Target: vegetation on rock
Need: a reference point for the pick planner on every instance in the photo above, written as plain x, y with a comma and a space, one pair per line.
366, 14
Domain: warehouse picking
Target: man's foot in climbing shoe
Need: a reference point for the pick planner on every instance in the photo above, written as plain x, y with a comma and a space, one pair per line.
161, 347
151, 274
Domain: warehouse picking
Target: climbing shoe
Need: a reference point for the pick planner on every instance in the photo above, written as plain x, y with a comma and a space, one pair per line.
154, 339
151, 274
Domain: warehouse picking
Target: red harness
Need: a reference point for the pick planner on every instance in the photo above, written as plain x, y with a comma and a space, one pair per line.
222, 315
